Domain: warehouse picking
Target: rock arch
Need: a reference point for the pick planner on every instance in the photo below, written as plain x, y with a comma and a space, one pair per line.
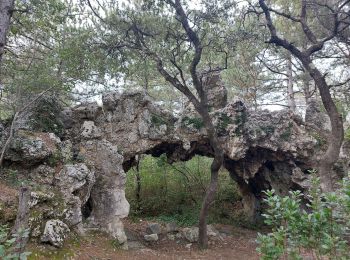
262, 150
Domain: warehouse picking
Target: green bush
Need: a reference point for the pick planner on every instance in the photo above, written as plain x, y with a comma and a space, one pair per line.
10, 247
321, 230
174, 192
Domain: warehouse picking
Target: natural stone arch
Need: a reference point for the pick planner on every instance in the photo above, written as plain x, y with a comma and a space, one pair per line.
262, 150
130, 124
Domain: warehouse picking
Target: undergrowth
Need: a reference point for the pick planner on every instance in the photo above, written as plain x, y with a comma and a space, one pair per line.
11, 246
174, 192
321, 231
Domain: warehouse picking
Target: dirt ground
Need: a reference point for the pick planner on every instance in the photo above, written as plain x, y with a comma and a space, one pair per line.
232, 243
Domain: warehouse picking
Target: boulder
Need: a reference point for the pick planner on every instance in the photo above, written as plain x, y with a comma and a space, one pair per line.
191, 234
212, 231
90, 131
315, 114
43, 174
262, 150
171, 227
151, 237
153, 228
55, 232
32, 147
216, 91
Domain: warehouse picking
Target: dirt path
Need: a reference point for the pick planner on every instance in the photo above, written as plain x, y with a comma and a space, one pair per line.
239, 244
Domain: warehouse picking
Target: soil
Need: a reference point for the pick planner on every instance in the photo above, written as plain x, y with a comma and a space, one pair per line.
8, 203
232, 243
7, 194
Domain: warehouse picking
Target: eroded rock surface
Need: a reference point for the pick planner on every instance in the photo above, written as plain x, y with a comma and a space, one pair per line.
81, 175
55, 232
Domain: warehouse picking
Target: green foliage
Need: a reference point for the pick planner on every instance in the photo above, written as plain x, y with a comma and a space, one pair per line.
223, 122
12, 177
174, 193
157, 120
321, 230
10, 246
196, 122
268, 129
239, 121
347, 134
320, 141
287, 133
45, 116
54, 159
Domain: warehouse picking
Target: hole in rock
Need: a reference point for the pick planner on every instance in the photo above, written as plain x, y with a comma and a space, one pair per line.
269, 165
87, 209
173, 192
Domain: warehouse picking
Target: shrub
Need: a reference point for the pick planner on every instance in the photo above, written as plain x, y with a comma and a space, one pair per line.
321, 230
11, 248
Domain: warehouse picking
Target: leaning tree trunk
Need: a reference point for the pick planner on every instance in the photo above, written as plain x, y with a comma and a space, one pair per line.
6, 7
336, 136
208, 199
215, 167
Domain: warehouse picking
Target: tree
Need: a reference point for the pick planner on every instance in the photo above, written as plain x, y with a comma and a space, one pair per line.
336, 12
181, 45
6, 10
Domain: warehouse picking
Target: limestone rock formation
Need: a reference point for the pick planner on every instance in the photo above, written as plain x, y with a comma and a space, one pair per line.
154, 228
151, 237
32, 147
55, 232
75, 182
191, 234
83, 175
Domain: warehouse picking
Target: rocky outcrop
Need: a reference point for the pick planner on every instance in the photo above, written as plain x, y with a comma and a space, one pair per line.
83, 172
55, 232
108, 202
75, 182
32, 147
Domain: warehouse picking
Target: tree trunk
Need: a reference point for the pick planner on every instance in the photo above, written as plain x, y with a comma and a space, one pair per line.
306, 88
215, 167
22, 219
138, 185
336, 137
9, 139
290, 91
6, 7
208, 199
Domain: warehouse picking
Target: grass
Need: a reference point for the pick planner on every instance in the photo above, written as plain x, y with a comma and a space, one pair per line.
66, 252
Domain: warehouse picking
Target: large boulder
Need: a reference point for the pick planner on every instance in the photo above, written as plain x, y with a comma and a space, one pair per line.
32, 147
